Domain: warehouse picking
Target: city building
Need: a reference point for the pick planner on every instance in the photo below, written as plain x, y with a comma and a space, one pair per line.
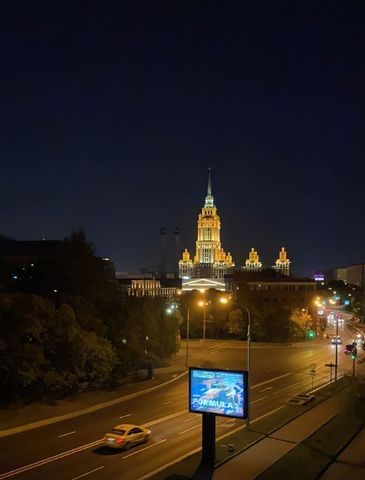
253, 263
352, 274
146, 285
210, 263
272, 287
20, 255
282, 264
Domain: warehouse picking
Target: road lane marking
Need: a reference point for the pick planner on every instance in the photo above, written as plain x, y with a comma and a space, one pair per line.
264, 390
59, 456
67, 453
272, 380
198, 449
291, 386
87, 473
84, 411
163, 419
188, 430
192, 418
145, 448
168, 403
125, 416
258, 400
66, 434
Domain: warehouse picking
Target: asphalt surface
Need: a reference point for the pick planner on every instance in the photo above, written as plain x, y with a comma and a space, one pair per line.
72, 449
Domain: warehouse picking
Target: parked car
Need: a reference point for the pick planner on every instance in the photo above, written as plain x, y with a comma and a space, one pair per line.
125, 435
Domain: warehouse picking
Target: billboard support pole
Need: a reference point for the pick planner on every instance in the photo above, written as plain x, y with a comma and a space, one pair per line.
208, 439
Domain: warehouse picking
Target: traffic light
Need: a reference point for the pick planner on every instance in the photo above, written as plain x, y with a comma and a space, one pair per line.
354, 353
311, 334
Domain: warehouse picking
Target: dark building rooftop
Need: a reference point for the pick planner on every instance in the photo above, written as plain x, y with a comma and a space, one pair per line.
266, 275
28, 248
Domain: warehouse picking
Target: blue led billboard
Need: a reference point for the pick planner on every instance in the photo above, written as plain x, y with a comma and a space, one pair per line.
222, 392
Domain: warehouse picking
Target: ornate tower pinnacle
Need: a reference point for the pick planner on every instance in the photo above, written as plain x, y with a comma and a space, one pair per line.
209, 199
282, 264
253, 263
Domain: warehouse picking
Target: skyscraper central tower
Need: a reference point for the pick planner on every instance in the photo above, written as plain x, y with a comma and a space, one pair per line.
210, 260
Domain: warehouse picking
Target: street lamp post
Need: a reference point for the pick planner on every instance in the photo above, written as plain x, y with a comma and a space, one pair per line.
224, 300
336, 355
248, 363
187, 336
203, 304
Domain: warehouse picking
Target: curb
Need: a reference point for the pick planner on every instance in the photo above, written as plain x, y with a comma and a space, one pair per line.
84, 411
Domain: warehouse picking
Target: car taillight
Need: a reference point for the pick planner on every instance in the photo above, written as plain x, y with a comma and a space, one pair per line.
119, 440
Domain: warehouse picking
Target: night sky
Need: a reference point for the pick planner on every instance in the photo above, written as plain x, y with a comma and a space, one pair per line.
111, 113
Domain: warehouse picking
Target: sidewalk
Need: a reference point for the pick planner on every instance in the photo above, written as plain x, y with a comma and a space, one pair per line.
37, 414
255, 460
320, 443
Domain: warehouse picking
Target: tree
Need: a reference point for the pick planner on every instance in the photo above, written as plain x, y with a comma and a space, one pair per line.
235, 323
22, 327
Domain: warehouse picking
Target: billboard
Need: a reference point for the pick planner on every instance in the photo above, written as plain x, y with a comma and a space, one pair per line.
222, 392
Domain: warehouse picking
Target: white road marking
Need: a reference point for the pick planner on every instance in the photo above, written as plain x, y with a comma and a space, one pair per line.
87, 473
58, 456
291, 386
258, 400
125, 416
272, 380
198, 449
264, 390
168, 403
25, 468
66, 434
163, 419
188, 430
145, 448
192, 418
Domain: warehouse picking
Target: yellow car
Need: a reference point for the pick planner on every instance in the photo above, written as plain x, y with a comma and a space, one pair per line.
125, 435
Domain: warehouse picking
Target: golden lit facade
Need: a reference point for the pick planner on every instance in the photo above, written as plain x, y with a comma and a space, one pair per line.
210, 260
252, 263
282, 264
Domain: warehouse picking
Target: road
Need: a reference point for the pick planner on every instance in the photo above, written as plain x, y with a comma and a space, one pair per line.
72, 449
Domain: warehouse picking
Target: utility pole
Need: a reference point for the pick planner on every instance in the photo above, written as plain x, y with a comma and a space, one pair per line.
336, 357
204, 322
248, 363
187, 336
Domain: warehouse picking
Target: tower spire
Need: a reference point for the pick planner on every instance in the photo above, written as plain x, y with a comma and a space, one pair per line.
209, 189
209, 199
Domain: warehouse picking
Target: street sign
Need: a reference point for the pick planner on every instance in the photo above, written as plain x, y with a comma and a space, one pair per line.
331, 365
312, 368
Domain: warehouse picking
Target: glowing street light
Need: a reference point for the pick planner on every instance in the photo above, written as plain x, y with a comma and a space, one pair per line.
225, 300
203, 304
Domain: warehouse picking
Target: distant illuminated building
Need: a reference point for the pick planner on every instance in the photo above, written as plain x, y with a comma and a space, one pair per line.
282, 264
210, 260
253, 263
318, 277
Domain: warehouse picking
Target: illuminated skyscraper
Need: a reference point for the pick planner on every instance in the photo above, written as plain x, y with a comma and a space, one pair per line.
210, 260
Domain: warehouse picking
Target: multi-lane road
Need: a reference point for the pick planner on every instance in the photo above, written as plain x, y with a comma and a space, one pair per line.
72, 449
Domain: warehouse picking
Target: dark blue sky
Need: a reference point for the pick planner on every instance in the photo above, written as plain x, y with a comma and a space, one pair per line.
111, 113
